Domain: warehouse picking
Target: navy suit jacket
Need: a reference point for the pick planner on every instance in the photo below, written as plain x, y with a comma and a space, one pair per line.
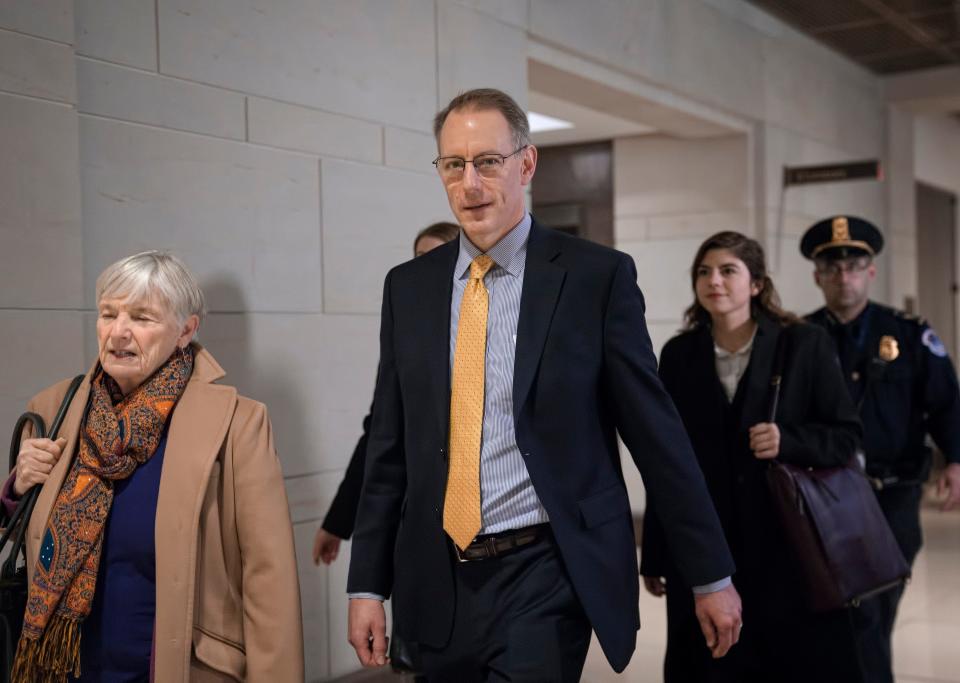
584, 370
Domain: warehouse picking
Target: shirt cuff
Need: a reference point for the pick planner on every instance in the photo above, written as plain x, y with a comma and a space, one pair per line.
366, 596
712, 587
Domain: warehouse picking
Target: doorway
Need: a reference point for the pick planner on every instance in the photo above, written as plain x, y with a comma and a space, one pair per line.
936, 256
573, 190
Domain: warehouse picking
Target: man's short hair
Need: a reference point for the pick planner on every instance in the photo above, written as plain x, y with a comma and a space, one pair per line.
488, 98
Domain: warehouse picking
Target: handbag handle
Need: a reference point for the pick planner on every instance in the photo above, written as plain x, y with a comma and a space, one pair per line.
776, 378
21, 516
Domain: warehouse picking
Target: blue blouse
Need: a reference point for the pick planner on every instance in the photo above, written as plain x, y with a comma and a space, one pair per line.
116, 641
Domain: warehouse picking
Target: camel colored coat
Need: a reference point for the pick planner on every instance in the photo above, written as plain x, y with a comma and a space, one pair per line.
228, 599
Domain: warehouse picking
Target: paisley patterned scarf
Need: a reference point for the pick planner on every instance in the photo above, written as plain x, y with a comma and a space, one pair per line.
119, 434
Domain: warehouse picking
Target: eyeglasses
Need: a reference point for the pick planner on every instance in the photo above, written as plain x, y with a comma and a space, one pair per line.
487, 165
835, 268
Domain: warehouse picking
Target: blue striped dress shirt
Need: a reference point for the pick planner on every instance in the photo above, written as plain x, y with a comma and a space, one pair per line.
507, 497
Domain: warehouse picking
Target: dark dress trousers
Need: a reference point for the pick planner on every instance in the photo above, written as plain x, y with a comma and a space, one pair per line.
780, 640
584, 370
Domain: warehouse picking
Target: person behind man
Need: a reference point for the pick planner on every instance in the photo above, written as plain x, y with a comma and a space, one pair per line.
338, 522
493, 506
899, 374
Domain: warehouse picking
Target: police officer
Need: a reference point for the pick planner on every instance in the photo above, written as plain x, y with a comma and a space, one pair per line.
899, 374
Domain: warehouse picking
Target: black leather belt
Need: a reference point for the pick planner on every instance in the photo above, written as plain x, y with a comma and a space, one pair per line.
881, 483
495, 545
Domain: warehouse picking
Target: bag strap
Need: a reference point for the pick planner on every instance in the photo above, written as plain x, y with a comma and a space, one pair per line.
21, 517
776, 378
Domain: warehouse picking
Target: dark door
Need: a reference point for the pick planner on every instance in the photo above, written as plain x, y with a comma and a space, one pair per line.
573, 190
936, 262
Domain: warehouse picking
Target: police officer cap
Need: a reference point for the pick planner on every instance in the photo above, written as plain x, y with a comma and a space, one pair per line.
841, 237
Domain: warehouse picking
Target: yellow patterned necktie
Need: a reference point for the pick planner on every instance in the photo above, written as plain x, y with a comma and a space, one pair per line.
461, 504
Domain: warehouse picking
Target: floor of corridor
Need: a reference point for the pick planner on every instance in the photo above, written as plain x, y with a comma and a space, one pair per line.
926, 637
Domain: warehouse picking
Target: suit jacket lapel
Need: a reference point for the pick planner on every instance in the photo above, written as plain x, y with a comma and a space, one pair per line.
198, 428
433, 299
542, 281
705, 365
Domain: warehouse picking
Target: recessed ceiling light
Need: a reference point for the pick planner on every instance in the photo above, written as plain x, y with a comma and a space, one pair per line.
541, 123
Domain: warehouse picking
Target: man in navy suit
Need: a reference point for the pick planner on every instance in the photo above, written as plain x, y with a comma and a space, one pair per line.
494, 508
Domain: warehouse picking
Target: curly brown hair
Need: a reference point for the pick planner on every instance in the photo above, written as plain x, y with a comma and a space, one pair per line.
766, 303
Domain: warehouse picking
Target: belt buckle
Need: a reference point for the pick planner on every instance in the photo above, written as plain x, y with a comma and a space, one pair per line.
488, 544
460, 553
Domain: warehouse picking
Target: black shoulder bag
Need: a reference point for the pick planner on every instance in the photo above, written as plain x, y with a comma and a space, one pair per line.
831, 517
13, 578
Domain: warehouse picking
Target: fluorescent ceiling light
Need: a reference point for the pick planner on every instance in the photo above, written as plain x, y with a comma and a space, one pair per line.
541, 123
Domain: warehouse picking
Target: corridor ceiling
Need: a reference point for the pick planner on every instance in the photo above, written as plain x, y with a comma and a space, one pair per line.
886, 36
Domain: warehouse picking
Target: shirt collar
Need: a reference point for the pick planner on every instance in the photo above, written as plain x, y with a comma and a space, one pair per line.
509, 253
855, 327
742, 351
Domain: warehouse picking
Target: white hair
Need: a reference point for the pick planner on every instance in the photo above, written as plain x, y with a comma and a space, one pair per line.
153, 274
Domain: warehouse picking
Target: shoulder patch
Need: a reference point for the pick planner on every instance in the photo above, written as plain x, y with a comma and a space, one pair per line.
933, 343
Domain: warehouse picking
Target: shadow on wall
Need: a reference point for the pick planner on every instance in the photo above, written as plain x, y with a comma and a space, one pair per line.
255, 352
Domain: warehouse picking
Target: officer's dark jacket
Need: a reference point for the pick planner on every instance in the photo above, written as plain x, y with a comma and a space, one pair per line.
899, 374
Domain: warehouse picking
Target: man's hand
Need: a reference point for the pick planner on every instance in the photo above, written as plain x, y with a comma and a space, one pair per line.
326, 546
765, 440
949, 485
719, 617
368, 631
655, 585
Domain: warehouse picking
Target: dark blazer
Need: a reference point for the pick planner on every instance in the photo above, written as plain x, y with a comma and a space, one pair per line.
901, 399
584, 370
818, 428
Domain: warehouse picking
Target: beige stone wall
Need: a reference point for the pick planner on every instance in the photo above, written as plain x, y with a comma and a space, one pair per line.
283, 149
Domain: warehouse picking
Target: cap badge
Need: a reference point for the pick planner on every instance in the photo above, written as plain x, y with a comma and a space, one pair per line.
841, 229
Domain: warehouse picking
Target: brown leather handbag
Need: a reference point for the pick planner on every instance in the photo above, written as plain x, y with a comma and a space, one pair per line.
831, 517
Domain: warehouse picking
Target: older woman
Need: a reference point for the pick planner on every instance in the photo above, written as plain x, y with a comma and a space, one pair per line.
160, 547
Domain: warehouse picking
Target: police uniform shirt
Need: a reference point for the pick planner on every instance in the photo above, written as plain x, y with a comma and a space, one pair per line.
899, 374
